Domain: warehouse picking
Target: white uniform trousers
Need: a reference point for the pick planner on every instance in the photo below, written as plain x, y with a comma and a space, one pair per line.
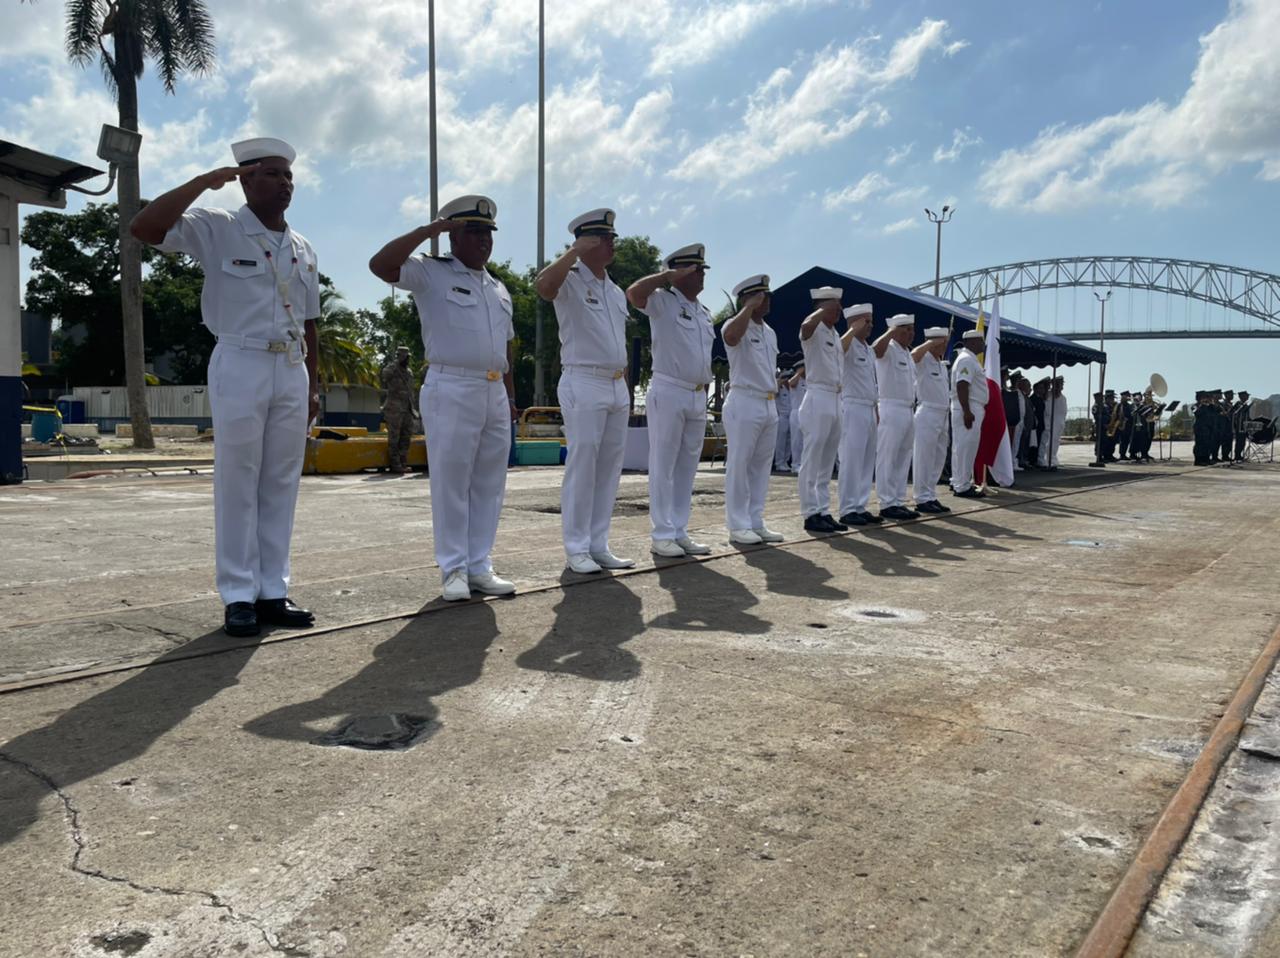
259, 405
468, 426
797, 434
857, 455
820, 421
894, 440
677, 426
1017, 441
964, 446
751, 429
930, 451
595, 412
1048, 453
782, 450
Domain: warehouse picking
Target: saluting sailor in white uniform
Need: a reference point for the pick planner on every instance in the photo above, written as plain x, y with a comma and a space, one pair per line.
261, 299
969, 394
933, 399
820, 409
750, 414
468, 398
676, 402
782, 449
591, 312
858, 419
895, 377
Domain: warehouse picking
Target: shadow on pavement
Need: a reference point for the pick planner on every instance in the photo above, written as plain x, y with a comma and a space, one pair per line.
593, 620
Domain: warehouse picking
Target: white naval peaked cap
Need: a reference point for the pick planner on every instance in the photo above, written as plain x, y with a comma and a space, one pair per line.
471, 209
937, 332
695, 254
595, 223
752, 284
861, 309
826, 292
901, 319
973, 334
259, 148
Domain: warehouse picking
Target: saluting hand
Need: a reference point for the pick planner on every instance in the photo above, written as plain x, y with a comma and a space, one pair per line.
584, 243
675, 275
217, 179
754, 303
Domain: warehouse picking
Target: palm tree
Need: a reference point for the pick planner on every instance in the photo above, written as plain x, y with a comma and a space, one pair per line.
177, 36
341, 359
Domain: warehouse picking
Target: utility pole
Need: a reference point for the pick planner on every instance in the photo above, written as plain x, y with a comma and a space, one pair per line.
939, 218
539, 372
431, 117
1098, 462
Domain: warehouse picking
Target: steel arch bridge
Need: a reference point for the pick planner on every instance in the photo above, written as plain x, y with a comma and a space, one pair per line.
1250, 293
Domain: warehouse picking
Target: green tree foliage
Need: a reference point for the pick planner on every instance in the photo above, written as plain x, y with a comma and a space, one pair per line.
344, 354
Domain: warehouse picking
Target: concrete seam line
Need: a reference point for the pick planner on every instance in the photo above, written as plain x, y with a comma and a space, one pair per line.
63, 678
1114, 928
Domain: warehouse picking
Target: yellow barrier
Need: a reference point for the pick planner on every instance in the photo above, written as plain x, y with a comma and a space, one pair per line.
360, 451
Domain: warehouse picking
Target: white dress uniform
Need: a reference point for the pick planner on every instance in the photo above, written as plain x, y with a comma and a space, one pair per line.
964, 442
1055, 416
797, 432
750, 419
1017, 430
259, 288
782, 447
933, 398
466, 318
895, 377
592, 315
857, 427
676, 406
820, 418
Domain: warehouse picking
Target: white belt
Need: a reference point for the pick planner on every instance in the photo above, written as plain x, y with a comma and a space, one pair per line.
599, 372
822, 387
270, 345
935, 405
752, 391
858, 402
492, 375
678, 383
896, 402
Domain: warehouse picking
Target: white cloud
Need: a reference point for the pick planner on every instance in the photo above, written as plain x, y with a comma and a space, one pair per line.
896, 156
689, 39
860, 192
1160, 155
791, 115
908, 194
899, 226
960, 141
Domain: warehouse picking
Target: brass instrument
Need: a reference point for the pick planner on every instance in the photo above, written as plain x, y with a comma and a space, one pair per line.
1116, 420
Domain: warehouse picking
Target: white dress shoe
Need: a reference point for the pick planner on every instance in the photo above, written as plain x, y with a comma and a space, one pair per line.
666, 548
768, 535
607, 560
456, 588
692, 548
582, 563
490, 584
744, 537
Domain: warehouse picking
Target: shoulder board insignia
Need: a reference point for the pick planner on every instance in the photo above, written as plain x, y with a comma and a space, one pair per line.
439, 259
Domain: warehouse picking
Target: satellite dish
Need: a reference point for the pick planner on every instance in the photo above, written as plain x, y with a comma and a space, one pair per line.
1158, 385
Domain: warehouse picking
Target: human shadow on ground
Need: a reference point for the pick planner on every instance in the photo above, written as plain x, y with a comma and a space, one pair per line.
707, 600
115, 726
593, 620
988, 531
947, 536
788, 573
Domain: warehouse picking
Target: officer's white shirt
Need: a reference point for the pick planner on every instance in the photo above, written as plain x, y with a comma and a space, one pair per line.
932, 383
592, 316
895, 375
682, 335
465, 313
823, 357
859, 378
967, 369
754, 359
241, 295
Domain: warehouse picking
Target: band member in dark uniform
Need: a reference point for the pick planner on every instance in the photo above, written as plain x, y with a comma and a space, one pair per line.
1239, 427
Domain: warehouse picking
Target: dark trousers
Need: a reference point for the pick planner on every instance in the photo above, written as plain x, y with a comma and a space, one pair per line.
1242, 440
1205, 444
1126, 440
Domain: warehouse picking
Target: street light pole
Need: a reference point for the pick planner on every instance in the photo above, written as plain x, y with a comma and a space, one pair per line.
431, 116
539, 373
1098, 461
939, 218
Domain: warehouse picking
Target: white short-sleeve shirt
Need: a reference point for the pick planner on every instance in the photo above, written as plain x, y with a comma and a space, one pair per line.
682, 336
823, 358
932, 383
859, 376
466, 314
242, 284
965, 368
895, 374
592, 316
754, 360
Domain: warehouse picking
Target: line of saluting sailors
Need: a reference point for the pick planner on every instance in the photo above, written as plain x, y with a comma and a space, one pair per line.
874, 406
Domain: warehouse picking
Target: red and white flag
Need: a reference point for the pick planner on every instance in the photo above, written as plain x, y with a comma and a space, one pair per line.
994, 450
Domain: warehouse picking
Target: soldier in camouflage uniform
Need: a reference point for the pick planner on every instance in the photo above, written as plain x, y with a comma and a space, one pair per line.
397, 411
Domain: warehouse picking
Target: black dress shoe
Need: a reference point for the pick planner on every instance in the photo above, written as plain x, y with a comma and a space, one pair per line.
872, 520
899, 512
284, 612
933, 507
854, 518
970, 493
239, 619
814, 523
939, 508
835, 526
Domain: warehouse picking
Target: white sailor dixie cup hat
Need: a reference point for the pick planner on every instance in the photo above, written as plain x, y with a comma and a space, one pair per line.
973, 334
861, 309
596, 223
937, 332
752, 284
259, 148
901, 319
472, 210
692, 255
826, 292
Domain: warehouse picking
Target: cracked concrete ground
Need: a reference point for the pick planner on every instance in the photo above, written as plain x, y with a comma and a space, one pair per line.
942, 738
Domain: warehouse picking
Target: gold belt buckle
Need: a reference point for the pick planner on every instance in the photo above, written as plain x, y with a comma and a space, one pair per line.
277, 346
770, 395
618, 374
492, 376
700, 387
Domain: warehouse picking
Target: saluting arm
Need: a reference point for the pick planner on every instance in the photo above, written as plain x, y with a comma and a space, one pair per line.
794, 381
881, 344
918, 353
555, 273
638, 293
385, 264
736, 326
153, 221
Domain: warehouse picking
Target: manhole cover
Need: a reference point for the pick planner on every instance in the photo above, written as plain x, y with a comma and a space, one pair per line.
877, 614
377, 733
121, 942
881, 614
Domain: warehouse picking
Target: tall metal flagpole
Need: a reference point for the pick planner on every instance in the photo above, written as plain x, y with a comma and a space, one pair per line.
539, 373
431, 116
1098, 462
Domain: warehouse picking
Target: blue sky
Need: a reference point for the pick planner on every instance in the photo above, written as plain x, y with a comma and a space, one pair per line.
782, 134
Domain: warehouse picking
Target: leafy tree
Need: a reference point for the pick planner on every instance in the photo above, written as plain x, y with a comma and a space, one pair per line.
344, 356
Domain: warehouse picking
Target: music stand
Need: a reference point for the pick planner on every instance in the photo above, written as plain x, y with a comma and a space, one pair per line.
1167, 409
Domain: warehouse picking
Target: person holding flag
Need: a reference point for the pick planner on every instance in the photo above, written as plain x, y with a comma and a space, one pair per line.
969, 396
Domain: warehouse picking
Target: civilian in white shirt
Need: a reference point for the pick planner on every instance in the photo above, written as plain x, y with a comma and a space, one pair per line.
933, 399
750, 414
591, 312
969, 395
820, 410
858, 419
676, 402
896, 380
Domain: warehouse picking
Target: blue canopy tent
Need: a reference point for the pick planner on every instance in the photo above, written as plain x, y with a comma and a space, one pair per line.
1021, 346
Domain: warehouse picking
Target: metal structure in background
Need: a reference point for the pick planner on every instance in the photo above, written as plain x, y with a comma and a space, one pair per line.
1248, 292
938, 218
539, 372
